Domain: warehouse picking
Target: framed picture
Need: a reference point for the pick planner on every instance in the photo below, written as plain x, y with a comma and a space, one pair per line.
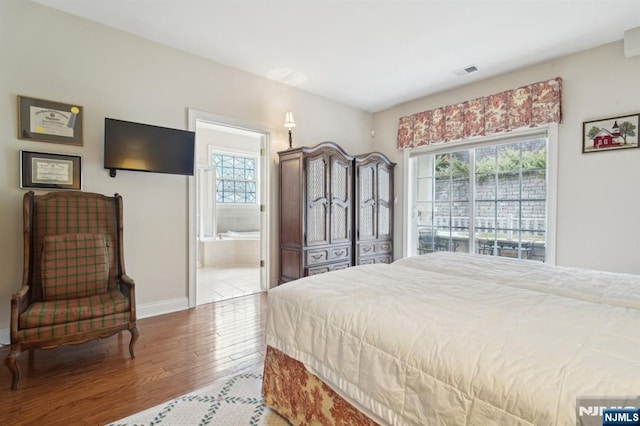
49, 121
50, 171
610, 133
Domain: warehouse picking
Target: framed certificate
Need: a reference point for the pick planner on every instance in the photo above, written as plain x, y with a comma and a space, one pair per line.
49, 121
50, 171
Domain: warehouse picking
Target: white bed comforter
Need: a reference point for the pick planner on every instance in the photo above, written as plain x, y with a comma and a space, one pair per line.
459, 339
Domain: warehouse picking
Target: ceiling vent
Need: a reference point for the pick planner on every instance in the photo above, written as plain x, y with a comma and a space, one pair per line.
466, 70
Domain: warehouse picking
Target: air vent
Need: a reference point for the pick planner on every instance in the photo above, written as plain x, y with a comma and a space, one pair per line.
466, 70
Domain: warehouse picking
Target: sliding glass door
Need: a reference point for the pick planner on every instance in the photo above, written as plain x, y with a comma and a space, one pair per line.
489, 199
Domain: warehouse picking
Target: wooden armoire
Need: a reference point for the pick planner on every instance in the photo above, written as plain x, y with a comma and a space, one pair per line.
336, 210
373, 209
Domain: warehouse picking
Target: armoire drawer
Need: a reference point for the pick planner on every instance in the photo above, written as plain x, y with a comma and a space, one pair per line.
340, 253
384, 258
368, 249
384, 247
324, 255
326, 268
317, 257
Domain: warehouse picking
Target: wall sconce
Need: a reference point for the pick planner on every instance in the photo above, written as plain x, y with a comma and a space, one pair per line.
289, 123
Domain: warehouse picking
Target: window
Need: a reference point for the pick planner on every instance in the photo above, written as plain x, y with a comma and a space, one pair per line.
489, 198
235, 178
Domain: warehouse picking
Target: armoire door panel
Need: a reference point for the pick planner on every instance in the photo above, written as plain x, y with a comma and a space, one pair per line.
384, 202
340, 225
367, 199
340, 219
317, 220
317, 224
340, 181
384, 224
384, 185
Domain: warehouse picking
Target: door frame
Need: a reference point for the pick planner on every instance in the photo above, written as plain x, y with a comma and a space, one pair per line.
265, 229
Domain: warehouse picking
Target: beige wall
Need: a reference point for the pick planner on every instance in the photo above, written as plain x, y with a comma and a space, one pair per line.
51, 55
598, 196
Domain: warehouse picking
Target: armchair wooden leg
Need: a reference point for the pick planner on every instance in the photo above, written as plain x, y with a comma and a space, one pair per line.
12, 365
134, 337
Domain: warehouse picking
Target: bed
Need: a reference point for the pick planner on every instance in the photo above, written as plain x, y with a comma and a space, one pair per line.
450, 339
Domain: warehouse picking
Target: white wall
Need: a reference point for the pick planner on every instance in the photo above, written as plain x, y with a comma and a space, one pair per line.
48, 54
598, 196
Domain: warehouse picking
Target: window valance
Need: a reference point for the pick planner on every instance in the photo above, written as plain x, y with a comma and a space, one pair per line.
528, 106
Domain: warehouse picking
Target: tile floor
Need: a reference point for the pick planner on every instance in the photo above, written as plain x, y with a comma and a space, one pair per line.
225, 282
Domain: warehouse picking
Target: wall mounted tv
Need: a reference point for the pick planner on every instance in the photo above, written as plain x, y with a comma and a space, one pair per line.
147, 148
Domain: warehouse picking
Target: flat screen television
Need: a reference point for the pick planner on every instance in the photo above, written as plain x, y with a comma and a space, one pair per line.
147, 148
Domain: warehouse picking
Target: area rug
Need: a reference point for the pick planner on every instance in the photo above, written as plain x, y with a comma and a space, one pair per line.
234, 401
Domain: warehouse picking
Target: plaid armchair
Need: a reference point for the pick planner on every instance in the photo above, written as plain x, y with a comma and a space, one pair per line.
74, 286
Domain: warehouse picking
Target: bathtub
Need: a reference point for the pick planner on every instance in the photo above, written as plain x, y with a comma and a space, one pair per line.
239, 235
230, 248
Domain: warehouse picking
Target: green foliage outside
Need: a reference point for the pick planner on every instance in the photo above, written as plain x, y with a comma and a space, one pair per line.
508, 160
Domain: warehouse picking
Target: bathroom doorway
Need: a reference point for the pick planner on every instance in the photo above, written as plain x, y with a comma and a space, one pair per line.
229, 211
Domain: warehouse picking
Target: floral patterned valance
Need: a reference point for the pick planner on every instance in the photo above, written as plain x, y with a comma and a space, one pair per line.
528, 106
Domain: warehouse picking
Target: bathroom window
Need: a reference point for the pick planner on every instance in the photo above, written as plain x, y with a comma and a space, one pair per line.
235, 178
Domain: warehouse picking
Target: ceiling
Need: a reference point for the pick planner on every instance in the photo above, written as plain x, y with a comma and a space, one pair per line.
369, 54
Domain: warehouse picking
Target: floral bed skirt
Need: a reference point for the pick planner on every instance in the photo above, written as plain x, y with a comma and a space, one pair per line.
302, 398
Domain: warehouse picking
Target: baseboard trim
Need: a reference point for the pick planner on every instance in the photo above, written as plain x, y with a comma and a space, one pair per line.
142, 311
162, 307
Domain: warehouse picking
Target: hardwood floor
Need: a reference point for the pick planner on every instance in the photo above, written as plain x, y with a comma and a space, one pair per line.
97, 383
